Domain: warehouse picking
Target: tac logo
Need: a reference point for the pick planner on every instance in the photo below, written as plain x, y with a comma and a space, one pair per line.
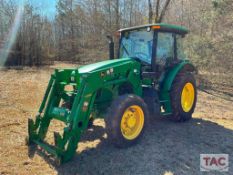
216, 162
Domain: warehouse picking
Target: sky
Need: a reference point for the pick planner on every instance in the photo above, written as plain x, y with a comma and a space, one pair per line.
47, 7
44, 7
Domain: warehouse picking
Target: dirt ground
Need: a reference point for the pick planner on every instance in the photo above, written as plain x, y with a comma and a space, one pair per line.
167, 148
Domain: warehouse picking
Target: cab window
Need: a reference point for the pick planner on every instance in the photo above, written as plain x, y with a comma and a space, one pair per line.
180, 48
165, 48
137, 44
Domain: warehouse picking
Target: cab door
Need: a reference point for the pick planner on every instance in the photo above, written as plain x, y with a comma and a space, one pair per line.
164, 51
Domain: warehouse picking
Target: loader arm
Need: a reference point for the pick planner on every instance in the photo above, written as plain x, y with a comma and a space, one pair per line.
82, 99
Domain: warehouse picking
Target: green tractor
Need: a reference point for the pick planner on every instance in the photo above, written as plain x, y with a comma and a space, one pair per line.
149, 75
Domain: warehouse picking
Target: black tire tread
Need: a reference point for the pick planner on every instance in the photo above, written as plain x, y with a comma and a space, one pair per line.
114, 115
178, 114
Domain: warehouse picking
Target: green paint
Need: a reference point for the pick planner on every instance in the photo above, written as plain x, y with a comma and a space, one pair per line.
164, 26
166, 83
87, 82
95, 86
102, 65
170, 75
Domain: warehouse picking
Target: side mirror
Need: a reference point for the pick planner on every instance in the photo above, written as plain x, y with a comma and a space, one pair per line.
110, 38
111, 47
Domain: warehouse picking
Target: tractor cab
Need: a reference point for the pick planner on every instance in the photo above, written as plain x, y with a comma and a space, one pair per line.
159, 50
156, 46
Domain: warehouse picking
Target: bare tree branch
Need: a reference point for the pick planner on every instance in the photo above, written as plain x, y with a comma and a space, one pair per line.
162, 14
150, 11
157, 11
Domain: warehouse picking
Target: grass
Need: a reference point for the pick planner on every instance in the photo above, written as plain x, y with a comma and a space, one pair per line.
167, 148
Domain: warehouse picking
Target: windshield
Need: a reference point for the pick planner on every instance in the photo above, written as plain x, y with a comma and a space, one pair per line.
137, 44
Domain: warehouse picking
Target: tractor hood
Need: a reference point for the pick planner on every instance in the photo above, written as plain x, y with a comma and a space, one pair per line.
104, 65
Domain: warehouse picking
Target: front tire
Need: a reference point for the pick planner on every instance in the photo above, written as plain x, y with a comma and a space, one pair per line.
126, 120
183, 97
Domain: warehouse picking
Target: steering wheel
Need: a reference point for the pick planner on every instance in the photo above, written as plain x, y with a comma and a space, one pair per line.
141, 55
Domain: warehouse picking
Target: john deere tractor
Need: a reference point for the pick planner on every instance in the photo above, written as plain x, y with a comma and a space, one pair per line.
149, 74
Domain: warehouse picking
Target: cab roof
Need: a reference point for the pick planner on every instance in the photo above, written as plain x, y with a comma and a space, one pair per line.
160, 27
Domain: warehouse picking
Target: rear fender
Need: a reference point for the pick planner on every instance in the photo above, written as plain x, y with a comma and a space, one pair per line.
166, 83
168, 78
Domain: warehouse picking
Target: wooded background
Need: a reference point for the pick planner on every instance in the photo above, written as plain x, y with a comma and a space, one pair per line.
78, 31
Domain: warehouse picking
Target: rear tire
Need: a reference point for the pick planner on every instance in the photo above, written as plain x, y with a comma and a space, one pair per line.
126, 120
183, 97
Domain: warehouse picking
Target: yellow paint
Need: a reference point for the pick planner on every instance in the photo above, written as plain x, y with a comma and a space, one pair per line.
187, 97
132, 122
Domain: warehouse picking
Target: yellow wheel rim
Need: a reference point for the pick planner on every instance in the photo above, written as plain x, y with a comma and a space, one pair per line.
187, 97
132, 122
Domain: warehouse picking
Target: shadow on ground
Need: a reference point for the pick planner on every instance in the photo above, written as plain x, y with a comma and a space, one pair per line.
166, 146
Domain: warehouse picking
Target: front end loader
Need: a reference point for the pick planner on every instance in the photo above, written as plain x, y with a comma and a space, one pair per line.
123, 91
93, 89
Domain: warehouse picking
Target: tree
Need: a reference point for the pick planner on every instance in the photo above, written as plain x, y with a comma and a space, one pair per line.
66, 29
150, 15
160, 11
